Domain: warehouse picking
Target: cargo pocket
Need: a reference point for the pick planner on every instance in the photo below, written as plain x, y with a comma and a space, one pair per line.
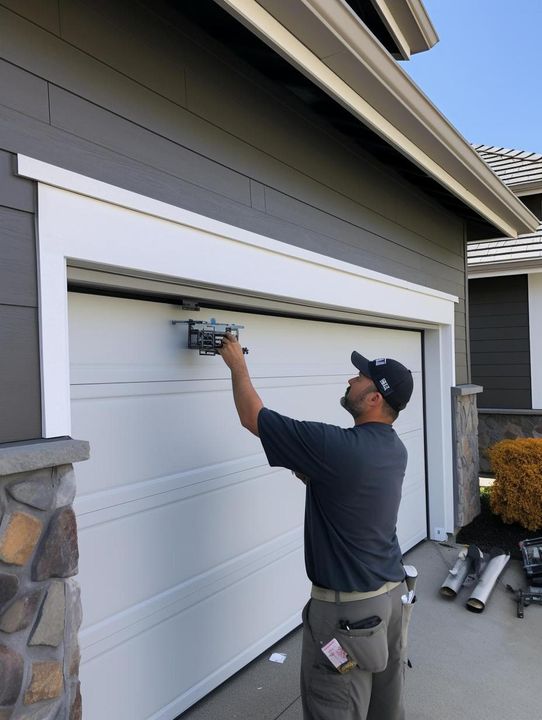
329, 693
368, 646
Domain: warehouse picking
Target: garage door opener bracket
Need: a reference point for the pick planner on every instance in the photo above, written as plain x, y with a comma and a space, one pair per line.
206, 335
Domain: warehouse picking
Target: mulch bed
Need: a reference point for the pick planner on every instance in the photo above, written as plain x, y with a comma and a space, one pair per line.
488, 531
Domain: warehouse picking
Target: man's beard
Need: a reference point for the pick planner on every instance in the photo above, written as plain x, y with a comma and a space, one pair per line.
354, 411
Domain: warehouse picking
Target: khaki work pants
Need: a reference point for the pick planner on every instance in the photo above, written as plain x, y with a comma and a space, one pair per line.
373, 690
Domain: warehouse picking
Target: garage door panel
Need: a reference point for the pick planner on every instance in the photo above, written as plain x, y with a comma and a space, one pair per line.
196, 636
147, 553
409, 418
413, 441
140, 437
409, 529
109, 505
117, 628
181, 519
277, 346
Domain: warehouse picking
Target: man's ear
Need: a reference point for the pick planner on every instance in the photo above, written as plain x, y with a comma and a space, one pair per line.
379, 398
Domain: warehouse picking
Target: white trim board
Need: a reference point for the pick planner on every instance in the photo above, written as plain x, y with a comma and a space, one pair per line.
523, 269
84, 220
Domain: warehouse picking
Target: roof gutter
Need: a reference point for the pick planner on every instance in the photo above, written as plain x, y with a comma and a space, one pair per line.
526, 188
328, 43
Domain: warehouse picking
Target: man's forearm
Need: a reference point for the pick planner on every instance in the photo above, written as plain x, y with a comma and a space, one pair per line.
247, 401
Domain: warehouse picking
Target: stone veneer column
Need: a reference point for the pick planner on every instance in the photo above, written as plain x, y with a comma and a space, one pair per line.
40, 608
466, 456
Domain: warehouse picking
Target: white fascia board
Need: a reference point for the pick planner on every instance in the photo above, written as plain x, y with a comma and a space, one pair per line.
502, 269
81, 219
327, 42
524, 189
390, 21
409, 24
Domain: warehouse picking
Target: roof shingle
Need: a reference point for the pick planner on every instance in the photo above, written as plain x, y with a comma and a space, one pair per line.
517, 169
514, 167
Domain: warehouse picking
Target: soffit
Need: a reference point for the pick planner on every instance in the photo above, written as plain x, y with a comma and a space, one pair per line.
349, 64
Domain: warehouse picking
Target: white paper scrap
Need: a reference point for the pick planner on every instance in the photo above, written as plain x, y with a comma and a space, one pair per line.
278, 657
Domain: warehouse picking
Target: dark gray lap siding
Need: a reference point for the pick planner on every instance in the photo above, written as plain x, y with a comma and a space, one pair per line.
499, 341
130, 94
20, 410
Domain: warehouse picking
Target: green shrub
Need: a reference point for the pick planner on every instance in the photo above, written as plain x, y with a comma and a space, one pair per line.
516, 495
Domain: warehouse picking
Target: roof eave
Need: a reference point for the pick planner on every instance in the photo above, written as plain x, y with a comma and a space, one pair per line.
513, 267
327, 42
409, 24
526, 188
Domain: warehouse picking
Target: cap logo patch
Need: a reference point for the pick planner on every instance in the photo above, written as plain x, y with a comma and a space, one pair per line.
380, 361
384, 384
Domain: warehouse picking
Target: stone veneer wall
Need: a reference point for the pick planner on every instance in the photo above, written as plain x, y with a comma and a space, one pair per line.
40, 608
466, 454
496, 425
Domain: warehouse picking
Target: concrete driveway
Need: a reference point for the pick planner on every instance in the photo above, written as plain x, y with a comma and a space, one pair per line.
466, 666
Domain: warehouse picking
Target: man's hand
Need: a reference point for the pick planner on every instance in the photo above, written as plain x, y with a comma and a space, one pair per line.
247, 400
231, 352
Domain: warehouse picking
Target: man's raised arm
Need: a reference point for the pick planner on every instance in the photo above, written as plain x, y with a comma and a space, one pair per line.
247, 400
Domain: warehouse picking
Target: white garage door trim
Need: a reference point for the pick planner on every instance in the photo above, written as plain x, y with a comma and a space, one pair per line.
90, 221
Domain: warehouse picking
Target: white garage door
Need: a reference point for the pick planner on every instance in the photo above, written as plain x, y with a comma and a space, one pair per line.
191, 545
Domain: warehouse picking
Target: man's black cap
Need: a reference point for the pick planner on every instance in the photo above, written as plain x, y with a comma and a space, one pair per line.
393, 380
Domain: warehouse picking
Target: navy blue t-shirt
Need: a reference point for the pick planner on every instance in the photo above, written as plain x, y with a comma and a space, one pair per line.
353, 495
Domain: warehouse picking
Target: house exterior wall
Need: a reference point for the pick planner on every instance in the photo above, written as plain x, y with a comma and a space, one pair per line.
499, 341
19, 347
170, 114
535, 337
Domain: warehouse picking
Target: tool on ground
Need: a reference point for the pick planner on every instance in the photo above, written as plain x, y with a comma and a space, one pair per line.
207, 335
525, 598
531, 552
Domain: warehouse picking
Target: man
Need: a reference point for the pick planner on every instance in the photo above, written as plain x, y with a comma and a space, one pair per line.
354, 626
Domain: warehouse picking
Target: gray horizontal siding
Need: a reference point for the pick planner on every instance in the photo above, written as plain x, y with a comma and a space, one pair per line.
129, 94
86, 120
44, 13
514, 399
17, 258
20, 409
499, 341
272, 144
27, 93
15, 192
